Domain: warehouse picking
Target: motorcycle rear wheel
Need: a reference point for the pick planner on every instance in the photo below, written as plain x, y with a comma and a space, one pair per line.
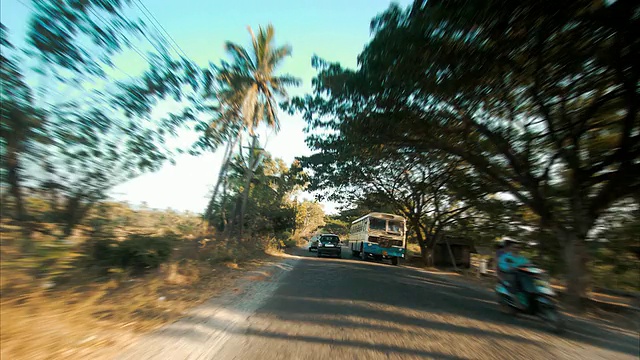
505, 308
555, 319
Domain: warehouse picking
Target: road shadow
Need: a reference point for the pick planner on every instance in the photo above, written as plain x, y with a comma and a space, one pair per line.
344, 286
367, 306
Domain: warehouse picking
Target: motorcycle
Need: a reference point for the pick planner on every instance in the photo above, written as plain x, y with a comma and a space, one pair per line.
536, 297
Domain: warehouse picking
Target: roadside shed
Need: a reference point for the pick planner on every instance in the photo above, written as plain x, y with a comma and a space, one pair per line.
461, 247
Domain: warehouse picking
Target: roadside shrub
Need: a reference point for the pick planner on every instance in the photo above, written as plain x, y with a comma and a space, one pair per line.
284, 235
141, 252
220, 254
272, 244
137, 252
103, 253
290, 243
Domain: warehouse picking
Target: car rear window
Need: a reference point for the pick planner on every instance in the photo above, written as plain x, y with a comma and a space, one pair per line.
330, 239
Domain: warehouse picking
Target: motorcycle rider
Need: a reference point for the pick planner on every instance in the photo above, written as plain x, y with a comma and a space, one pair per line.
508, 261
499, 249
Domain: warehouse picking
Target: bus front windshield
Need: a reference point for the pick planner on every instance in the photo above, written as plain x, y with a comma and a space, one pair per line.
377, 224
395, 226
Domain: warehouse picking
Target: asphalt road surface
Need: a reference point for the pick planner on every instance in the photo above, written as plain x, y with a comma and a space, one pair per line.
310, 308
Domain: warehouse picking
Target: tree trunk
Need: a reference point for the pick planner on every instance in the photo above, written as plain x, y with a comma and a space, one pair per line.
249, 173
20, 211
421, 243
13, 178
432, 255
414, 221
575, 256
427, 253
233, 219
245, 198
223, 204
433, 241
26, 243
75, 212
226, 160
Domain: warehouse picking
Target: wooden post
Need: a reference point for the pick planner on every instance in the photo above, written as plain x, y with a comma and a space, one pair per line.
453, 259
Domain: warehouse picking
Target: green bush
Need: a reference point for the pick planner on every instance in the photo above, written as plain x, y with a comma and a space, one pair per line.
284, 235
103, 253
290, 243
137, 253
140, 252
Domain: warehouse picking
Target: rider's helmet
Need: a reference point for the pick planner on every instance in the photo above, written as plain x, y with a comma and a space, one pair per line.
508, 241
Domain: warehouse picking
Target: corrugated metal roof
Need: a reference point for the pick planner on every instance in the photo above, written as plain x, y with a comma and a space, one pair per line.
381, 216
457, 240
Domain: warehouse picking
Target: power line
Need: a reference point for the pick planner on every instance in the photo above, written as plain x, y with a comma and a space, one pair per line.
140, 53
162, 27
124, 72
43, 92
104, 22
155, 46
149, 13
27, 6
133, 47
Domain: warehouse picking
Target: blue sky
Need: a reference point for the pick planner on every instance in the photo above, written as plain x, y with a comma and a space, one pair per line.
334, 30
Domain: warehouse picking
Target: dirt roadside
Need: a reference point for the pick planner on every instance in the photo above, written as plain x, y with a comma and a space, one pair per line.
98, 320
225, 314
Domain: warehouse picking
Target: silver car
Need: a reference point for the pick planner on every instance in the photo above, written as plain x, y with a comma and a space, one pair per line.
313, 243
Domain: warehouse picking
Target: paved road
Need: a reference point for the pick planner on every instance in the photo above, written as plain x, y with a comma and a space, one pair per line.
309, 308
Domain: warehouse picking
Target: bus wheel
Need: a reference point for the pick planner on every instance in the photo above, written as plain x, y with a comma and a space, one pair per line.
394, 261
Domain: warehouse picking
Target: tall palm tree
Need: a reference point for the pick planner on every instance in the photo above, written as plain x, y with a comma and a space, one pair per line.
249, 91
251, 80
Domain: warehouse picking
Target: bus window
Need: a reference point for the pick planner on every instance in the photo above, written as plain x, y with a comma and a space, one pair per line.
377, 224
395, 226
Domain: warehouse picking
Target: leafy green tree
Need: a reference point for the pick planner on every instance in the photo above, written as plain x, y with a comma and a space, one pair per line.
21, 126
615, 249
270, 210
77, 150
309, 217
432, 191
363, 205
336, 226
540, 98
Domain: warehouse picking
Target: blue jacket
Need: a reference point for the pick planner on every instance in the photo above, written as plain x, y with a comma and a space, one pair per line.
507, 261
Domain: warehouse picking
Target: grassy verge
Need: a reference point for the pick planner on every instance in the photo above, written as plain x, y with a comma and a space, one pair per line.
50, 307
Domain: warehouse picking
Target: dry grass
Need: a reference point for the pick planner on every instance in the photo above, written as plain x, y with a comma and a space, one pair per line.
83, 316
413, 250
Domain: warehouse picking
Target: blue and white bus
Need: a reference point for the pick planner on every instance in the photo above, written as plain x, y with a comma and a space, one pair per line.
380, 236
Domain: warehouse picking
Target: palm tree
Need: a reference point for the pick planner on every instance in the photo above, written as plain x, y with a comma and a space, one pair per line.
249, 91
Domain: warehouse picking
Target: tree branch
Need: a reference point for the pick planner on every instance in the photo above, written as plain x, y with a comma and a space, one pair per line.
621, 183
